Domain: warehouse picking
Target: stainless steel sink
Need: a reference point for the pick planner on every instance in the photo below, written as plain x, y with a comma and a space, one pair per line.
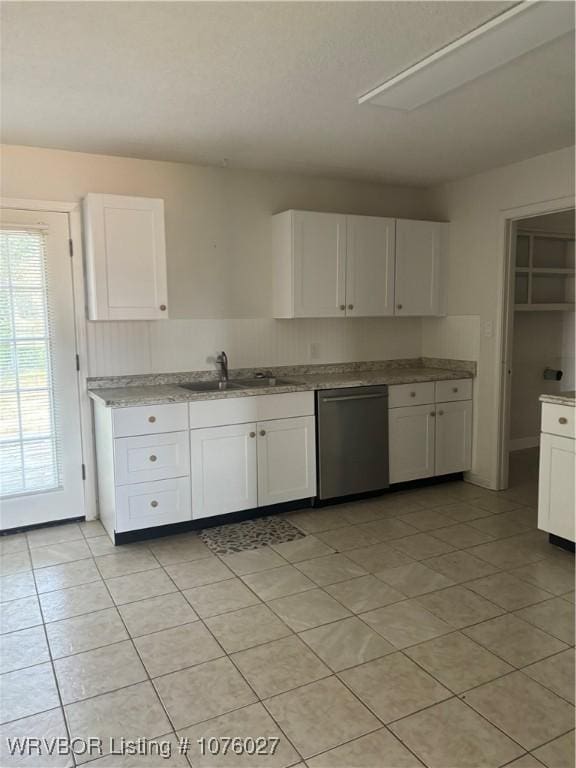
223, 386
210, 386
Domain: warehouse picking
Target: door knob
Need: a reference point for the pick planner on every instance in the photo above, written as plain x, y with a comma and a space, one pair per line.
252, 434
262, 432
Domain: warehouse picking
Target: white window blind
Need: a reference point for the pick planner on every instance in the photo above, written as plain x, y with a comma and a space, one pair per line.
29, 444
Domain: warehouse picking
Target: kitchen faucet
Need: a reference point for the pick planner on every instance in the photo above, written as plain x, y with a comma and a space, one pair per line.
222, 361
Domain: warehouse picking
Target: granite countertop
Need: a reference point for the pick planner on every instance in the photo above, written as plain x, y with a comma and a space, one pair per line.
143, 391
561, 398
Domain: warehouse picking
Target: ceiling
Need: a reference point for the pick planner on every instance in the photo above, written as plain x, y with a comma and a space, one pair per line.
273, 85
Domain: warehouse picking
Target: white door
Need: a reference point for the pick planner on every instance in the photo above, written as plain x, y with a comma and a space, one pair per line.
370, 266
419, 267
319, 264
286, 460
556, 492
223, 470
411, 433
125, 257
40, 442
453, 437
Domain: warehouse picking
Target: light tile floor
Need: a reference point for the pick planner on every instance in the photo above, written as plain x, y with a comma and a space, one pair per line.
431, 627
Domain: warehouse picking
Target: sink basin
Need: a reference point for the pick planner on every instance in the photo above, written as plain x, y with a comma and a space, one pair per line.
210, 386
223, 386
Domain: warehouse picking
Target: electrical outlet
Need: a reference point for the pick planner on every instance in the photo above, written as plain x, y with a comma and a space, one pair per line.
314, 350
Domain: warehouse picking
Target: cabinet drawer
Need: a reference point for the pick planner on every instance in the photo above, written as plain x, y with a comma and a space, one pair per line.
558, 420
242, 410
144, 505
149, 419
151, 457
400, 395
458, 389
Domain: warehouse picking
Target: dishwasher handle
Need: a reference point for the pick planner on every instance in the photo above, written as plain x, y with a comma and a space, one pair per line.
353, 397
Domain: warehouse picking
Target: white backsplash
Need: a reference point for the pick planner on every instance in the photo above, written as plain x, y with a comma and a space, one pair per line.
117, 348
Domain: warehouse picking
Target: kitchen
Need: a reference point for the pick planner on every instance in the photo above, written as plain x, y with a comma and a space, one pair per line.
283, 476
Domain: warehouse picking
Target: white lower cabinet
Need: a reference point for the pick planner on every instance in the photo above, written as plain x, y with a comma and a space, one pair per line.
557, 493
286, 460
146, 505
453, 437
432, 439
223, 465
411, 431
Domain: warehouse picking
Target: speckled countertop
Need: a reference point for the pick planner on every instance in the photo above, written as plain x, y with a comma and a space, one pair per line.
154, 389
561, 398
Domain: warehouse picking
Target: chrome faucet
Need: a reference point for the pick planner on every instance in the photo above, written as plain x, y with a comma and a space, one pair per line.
222, 361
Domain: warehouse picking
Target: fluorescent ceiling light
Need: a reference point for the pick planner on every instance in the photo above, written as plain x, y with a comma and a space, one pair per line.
513, 33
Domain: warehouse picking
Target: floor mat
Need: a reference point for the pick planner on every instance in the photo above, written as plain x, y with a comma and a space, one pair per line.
249, 534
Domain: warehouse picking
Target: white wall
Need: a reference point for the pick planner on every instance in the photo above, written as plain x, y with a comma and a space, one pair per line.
476, 208
219, 260
541, 340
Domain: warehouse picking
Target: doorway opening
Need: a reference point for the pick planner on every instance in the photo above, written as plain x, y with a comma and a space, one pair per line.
540, 342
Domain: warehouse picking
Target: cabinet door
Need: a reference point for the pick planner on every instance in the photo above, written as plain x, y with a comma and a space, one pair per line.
453, 437
556, 492
223, 470
419, 267
319, 252
370, 266
125, 257
411, 433
286, 460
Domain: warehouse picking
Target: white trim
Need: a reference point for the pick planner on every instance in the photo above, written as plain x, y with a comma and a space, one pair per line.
37, 205
79, 294
505, 323
521, 443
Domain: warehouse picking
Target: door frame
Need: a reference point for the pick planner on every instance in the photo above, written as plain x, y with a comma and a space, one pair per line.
72, 210
508, 219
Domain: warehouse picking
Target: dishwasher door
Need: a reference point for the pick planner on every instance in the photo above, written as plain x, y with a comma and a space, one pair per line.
352, 440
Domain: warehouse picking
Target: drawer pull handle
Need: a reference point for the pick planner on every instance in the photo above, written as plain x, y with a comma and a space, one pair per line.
563, 420
440, 413
262, 432
162, 307
399, 306
454, 389
252, 434
153, 458
350, 306
151, 419
432, 413
412, 394
154, 503
342, 307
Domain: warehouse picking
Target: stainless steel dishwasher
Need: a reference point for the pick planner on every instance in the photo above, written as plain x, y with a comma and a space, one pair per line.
352, 440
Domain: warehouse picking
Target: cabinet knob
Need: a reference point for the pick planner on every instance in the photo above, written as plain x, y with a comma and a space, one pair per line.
342, 307
262, 432
151, 419
440, 413
563, 420
350, 306
412, 394
154, 503
162, 307
454, 389
398, 306
252, 434
432, 413
153, 458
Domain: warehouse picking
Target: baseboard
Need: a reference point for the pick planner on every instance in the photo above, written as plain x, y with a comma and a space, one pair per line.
521, 443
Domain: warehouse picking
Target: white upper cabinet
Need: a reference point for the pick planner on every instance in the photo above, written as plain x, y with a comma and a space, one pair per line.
331, 265
370, 266
419, 284
310, 264
125, 257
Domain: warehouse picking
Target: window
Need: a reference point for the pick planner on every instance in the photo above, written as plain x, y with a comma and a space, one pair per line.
29, 445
